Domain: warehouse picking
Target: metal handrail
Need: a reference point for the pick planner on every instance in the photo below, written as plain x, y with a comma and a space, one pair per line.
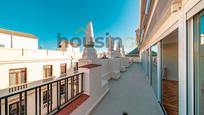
22, 94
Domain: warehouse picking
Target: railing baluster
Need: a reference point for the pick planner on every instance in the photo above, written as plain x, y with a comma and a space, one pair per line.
57, 95
60, 93
82, 80
20, 100
72, 84
39, 100
51, 97
77, 87
6, 106
48, 98
36, 101
25, 103
66, 90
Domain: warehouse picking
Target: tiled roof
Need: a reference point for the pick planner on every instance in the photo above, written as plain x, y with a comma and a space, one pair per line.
74, 105
17, 33
89, 66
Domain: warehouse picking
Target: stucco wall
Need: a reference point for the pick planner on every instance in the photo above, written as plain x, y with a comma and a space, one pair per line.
12, 41
33, 60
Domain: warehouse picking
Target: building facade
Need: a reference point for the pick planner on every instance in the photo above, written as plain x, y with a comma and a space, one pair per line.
170, 39
21, 62
13, 39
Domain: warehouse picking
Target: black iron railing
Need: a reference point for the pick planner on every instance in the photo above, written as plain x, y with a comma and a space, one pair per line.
47, 98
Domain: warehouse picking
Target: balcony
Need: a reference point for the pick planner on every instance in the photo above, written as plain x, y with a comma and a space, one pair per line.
68, 95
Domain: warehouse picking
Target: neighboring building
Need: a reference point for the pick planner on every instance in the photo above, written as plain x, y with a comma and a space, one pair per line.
171, 50
46, 80
13, 39
21, 62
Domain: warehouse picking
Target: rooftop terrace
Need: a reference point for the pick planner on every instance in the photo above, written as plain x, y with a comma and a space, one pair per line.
131, 94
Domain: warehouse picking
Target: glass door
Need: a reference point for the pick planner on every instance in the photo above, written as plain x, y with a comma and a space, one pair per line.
199, 63
154, 68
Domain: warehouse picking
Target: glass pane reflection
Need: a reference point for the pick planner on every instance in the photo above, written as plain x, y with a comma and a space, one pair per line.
154, 78
201, 64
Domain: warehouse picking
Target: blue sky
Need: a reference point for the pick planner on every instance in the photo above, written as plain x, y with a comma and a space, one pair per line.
46, 18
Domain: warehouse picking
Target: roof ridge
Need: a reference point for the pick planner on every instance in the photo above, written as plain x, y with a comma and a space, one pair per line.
12, 32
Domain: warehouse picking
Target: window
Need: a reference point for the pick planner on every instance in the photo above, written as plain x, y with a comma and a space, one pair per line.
15, 110
46, 96
17, 76
76, 66
154, 68
47, 71
147, 7
63, 68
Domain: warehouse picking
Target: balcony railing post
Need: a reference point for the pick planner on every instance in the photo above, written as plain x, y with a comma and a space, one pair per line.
36, 101
39, 100
66, 90
77, 82
25, 103
72, 88
51, 96
60, 93
57, 95
20, 100
82, 82
6, 106
48, 98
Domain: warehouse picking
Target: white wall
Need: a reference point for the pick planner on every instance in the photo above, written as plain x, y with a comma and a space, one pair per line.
106, 69
24, 42
12, 41
33, 60
5, 40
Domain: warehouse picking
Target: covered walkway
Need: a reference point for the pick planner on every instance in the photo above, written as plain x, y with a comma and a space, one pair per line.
131, 94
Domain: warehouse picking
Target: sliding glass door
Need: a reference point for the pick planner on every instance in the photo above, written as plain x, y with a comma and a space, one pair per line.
199, 63
154, 68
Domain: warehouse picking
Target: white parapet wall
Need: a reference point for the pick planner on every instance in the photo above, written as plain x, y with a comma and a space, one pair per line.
115, 64
125, 62
106, 69
92, 87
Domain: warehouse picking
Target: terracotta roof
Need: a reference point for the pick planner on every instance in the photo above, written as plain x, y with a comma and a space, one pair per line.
17, 33
74, 105
89, 66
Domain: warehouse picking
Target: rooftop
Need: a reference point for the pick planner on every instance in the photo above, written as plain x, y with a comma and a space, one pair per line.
131, 94
17, 33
